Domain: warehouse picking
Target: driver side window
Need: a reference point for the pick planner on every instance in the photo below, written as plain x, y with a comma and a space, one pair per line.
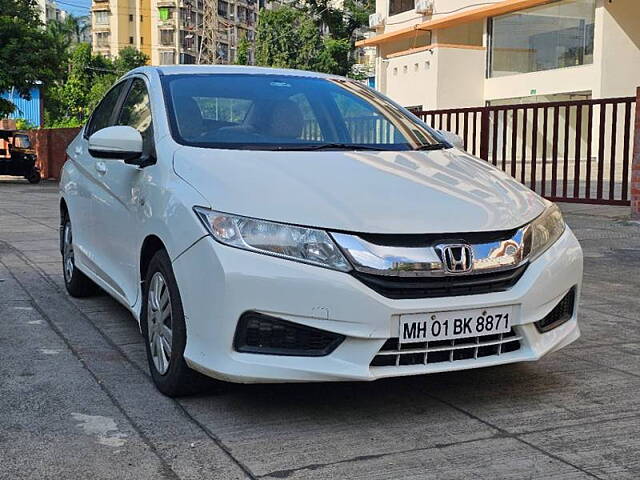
102, 115
136, 113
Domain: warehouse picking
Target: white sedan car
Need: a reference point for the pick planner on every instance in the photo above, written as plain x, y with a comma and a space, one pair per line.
280, 226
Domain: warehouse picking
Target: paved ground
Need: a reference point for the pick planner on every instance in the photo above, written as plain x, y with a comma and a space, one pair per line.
76, 400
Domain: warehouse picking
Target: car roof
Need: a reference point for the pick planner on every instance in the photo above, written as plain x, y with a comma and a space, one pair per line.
228, 69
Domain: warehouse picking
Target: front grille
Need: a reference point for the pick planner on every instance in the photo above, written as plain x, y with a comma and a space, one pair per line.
258, 333
393, 353
560, 314
449, 286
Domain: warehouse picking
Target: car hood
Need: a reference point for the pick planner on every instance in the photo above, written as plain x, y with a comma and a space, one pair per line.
441, 191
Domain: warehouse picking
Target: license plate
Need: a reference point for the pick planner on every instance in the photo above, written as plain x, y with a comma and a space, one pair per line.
427, 327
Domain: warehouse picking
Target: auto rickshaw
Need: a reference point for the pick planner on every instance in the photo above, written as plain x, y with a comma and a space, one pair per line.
17, 158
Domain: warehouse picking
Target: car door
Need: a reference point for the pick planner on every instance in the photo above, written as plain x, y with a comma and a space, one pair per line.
119, 204
84, 179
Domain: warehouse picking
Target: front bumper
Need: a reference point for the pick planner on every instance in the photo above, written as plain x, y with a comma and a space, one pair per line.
219, 283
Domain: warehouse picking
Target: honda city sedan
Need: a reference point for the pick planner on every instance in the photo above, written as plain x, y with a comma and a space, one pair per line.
268, 225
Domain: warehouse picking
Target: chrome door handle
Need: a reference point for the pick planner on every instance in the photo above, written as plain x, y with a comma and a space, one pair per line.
101, 168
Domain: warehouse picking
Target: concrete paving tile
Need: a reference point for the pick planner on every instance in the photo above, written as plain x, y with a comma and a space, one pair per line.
278, 427
30, 245
619, 309
176, 443
557, 391
598, 328
119, 326
136, 353
608, 450
51, 255
499, 458
49, 399
624, 357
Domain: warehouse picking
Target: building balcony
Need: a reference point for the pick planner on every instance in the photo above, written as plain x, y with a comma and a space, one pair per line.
169, 24
101, 27
100, 1
166, 3
100, 7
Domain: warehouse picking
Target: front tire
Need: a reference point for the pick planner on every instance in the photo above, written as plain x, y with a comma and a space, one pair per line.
164, 330
77, 283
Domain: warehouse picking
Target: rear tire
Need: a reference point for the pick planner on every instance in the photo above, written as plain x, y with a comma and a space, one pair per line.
164, 330
34, 177
77, 283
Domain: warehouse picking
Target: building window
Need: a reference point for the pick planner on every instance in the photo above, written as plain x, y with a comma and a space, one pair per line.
102, 18
102, 39
167, 58
141, 40
141, 18
542, 38
131, 40
223, 9
130, 18
399, 6
223, 52
166, 38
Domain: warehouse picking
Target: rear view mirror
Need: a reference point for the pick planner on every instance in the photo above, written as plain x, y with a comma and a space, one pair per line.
119, 142
452, 138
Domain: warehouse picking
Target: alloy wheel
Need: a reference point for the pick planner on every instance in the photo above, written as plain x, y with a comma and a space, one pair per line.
67, 252
159, 323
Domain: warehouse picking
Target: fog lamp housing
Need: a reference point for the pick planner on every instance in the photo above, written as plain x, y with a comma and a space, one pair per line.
561, 313
264, 334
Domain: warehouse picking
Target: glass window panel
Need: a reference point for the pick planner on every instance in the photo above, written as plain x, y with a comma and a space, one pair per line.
399, 6
102, 115
543, 38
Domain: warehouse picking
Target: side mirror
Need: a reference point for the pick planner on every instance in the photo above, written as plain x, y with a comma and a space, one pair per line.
452, 138
119, 142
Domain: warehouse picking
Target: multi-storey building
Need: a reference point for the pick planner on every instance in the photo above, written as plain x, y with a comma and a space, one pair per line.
171, 31
49, 11
436, 54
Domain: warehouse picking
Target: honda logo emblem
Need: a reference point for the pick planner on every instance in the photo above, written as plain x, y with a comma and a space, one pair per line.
456, 258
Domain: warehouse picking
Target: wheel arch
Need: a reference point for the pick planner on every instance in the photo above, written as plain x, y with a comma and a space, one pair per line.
151, 244
64, 214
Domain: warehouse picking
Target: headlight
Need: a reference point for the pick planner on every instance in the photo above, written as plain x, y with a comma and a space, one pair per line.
544, 231
301, 244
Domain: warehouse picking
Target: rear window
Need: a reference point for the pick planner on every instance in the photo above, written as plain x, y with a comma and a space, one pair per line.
270, 112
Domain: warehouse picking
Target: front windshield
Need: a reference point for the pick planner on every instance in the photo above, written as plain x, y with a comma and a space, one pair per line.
285, 112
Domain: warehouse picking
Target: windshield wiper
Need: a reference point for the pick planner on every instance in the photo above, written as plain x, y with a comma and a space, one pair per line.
331, 146
432, 146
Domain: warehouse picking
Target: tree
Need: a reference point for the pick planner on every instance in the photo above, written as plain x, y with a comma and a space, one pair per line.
130, 58
291, 36
287, 38
242, 54
28, 57
70, 102
76, 26
335, 56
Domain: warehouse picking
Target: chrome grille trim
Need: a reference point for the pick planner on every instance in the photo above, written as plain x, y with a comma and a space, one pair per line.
426, 261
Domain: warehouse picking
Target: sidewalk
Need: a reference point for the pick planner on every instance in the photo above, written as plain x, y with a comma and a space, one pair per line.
77, 401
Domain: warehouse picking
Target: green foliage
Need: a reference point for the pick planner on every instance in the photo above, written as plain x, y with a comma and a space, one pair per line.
27, 54
24, 124
290, 37
242, 53
68, 103
128, 59
335, 56
287, 38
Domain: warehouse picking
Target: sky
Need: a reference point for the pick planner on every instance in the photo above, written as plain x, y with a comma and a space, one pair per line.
76, 7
